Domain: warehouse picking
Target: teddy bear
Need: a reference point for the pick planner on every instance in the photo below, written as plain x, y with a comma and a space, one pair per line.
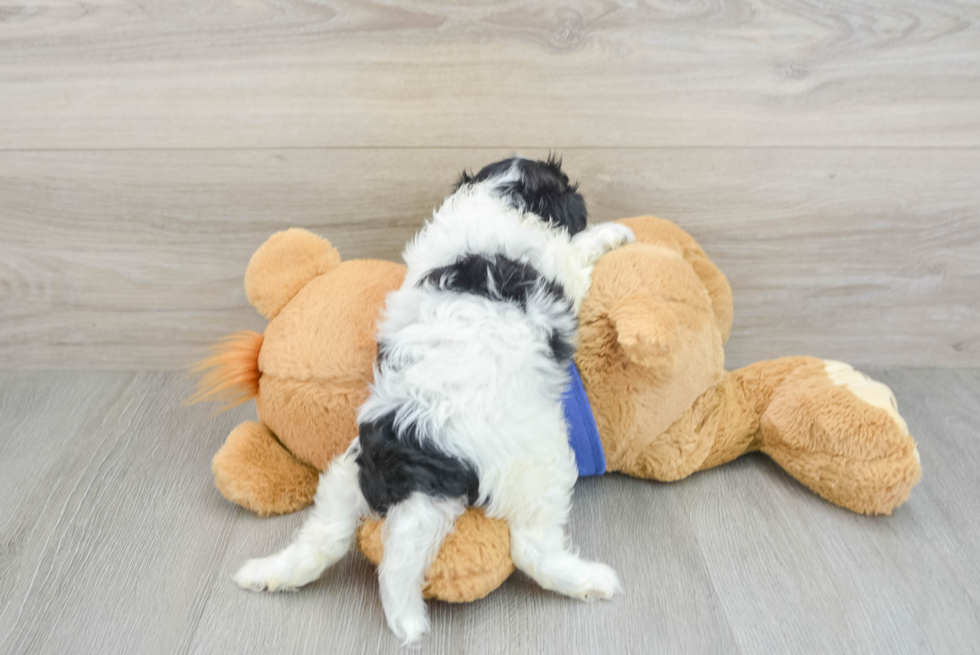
650, 360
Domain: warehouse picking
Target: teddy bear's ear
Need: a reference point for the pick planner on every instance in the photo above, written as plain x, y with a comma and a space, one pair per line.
283, 265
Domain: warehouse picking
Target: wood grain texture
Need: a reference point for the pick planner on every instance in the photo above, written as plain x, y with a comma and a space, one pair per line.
115, 540
134, 259
277, 73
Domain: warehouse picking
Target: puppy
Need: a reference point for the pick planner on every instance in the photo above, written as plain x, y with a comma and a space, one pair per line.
465, 408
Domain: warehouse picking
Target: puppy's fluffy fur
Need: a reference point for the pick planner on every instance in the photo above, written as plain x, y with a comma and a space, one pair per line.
465, 407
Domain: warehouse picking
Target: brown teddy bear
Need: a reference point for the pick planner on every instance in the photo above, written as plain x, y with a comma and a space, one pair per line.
650, 359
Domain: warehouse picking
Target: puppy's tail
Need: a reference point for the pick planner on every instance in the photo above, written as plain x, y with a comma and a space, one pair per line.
231, 374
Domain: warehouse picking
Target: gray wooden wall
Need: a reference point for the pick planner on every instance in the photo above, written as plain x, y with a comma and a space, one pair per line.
826, 155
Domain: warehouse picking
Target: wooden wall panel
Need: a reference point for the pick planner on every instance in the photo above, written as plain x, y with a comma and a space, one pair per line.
826, 154
134, 259
291, 73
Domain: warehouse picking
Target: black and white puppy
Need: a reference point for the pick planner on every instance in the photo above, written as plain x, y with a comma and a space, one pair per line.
465, 408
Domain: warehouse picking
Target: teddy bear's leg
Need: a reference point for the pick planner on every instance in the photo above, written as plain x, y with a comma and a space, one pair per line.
839, 432
253, 470
473, 560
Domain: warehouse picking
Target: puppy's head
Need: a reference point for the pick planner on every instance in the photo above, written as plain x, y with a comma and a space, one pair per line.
539, 187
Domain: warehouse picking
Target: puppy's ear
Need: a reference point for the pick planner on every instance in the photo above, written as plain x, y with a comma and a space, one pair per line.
464, 178
548, 193
568, 209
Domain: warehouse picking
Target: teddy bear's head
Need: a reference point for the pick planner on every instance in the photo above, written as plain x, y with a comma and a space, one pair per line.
318, 349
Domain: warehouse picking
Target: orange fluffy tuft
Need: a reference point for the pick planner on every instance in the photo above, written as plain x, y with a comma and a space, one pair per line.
231, 374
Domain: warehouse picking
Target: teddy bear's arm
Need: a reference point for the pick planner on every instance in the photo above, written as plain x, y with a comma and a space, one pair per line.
646, 329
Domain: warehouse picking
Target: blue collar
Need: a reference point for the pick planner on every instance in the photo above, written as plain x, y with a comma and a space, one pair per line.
583, 435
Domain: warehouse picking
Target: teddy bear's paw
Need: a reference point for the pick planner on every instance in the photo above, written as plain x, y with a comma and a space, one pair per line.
599, 582
877, 394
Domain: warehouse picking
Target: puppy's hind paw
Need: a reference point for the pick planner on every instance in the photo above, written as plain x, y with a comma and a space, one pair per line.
262, 575
601, 582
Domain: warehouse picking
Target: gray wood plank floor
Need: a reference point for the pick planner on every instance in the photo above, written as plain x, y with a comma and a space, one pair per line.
114, 540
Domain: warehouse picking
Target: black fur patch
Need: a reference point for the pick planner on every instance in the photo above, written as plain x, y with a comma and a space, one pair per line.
543, 189
495, 277
393, 466
503, 279
561, 348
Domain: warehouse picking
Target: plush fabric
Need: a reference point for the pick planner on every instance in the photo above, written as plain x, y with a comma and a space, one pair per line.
474, 559
283, 265
651, 363
254, 470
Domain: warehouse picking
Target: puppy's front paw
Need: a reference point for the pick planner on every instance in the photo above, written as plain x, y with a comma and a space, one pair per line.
600, 239
601, 582
618, 235
609, 236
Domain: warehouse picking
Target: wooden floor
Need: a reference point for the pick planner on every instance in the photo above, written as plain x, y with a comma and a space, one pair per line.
113, 539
